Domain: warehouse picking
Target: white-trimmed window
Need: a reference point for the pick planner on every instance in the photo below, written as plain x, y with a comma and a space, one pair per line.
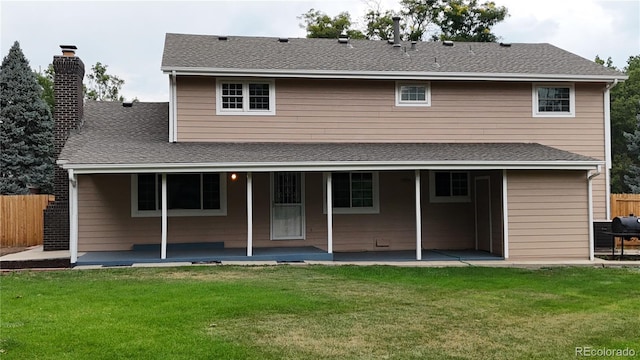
245, 97
449, 186
354, 192
413, 93
193, 194
554, 100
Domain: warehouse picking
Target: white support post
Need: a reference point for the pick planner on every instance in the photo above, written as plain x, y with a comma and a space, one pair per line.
329, 214
163, 246
249, 215
418, 218
73, 217
590, 215
505, 215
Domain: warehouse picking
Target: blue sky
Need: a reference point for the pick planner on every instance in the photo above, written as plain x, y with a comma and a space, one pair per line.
129, 36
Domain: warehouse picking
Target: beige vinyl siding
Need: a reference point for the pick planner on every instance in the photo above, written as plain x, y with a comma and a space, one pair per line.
314, 110
105, 221
364, 110
548, 214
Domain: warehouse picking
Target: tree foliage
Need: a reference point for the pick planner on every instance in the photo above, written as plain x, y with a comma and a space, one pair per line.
26, 128
625, 123
45, 80
379, 25
320, 25
466, 20
459, 20
419, 17
103, 86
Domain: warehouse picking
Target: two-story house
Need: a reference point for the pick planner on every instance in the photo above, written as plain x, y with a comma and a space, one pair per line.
276, 148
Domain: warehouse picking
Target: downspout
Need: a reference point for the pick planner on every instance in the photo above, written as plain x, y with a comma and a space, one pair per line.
607, 144
590, 210
173, 105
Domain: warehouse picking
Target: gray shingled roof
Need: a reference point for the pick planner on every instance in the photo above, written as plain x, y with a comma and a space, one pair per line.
182, 51
120, 136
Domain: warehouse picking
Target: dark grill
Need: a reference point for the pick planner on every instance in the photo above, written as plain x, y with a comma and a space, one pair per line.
626, 225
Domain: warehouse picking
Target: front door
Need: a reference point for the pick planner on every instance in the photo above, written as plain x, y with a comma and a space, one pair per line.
287, 206
483, 214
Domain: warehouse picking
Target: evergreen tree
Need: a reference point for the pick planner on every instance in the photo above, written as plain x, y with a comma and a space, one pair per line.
26, 128
632, 178
625, 109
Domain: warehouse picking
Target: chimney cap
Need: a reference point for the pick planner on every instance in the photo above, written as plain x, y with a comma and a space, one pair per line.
68, 50
396, 18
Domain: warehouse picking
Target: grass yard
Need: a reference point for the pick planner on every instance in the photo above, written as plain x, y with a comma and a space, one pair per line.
318, 312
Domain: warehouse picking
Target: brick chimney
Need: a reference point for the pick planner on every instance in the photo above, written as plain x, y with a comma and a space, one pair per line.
68, 112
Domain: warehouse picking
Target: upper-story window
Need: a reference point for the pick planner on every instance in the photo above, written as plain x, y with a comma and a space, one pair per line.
245, 97
413, 93
554, 100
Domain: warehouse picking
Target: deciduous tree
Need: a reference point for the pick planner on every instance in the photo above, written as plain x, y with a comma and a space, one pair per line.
459, 20
320, 25
103, 86
45, 80
466, 20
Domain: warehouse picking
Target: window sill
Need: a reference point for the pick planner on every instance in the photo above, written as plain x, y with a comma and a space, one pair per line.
243, 113
554, 115
179, 213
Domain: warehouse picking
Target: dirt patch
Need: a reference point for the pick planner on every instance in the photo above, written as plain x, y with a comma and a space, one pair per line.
11, 250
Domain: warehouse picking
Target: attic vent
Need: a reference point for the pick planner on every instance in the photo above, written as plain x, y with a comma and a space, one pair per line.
283, 40
447, 43
343, 40
127, 104
222, 38
505, 44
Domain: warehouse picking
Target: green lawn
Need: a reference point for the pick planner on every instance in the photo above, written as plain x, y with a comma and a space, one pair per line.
318, 312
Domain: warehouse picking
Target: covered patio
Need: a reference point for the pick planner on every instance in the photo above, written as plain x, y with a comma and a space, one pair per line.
122, 196
200, 253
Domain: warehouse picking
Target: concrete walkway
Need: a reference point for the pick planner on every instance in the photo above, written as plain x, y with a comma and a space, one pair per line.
37, 253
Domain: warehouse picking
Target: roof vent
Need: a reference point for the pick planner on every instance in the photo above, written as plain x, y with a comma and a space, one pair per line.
223, 38
127, 103
343, 39
396, 31
505, 44
283, 40
447, 43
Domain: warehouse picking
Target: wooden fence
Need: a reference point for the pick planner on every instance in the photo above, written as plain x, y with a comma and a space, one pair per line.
623, 205
22, 219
